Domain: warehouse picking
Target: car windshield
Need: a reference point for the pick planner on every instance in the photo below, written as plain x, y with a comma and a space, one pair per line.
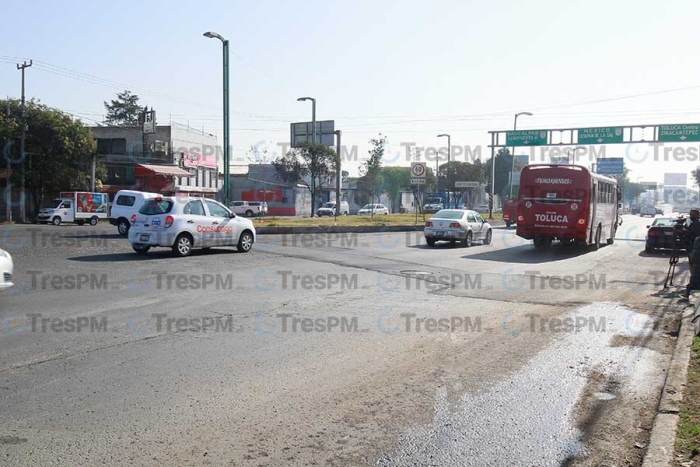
448, 214
153, 207
434, 201
329, 205
367, 206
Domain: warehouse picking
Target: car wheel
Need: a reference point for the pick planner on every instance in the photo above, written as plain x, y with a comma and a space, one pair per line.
93, 221
468, 239
56, 221
249, 213
489, 236
245, 242
430, 241
140, 248
123, 227
183, 245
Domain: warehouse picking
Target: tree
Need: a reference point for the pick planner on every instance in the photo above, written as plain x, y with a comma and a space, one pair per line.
370, 184
395, 179
59, 149
504, 163
309, 164
125, 110
696, 176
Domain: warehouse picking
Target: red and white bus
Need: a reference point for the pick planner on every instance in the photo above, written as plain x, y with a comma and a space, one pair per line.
566, 203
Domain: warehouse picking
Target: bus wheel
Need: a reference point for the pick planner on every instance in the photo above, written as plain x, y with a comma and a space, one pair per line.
596, 242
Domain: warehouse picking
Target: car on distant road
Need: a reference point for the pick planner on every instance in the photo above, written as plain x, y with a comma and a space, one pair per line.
660, 211
6, 269
261, 205
246, 208
328, 209
661, 235
647, 211
367, 209
184, 223
482, 208
457, 225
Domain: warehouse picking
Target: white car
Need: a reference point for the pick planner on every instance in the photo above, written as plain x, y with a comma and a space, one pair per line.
328, 209
647, 211
457, 225
184, 223
377, 208
125, 205
7, 269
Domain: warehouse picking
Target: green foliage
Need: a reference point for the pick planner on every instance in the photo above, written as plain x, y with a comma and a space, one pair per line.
310, 164
504, 163
124, 111
59, 150
371, 185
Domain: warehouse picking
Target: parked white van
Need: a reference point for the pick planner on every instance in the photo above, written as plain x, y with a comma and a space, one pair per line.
125, 205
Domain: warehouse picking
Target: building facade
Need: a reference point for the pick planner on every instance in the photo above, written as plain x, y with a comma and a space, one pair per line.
175, 160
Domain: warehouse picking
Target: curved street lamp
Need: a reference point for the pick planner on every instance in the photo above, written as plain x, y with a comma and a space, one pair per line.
227, 154
313, 116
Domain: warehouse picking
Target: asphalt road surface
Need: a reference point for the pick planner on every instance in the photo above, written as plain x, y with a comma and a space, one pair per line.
339, 350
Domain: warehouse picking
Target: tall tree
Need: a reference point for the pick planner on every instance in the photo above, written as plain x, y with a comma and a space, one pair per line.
309, 164
59, 151
124, 110
370, 184
395, 180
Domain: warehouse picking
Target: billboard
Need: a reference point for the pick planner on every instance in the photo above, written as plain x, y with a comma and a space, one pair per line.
610, 166
193, 160
303, 131
675, 179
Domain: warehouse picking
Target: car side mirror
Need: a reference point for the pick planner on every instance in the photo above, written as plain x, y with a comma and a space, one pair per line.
232, 215
648, 226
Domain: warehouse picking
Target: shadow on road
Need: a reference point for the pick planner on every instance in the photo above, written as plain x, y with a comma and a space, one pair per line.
161, 253
527, 254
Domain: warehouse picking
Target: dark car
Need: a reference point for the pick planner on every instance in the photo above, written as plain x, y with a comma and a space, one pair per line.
661, 234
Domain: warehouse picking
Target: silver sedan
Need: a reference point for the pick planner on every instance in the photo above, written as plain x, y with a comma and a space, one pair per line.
457, 225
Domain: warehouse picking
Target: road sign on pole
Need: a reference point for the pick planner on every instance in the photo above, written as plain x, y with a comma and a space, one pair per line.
606, 135
526, 138
467, 184
679, 133
418, 181
610, 166
304, 131
418, 169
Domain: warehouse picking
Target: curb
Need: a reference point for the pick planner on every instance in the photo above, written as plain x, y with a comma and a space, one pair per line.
663, 433
262, 230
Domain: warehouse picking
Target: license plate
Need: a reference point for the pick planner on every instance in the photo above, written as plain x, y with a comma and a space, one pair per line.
144, 237
440, 233
668, 233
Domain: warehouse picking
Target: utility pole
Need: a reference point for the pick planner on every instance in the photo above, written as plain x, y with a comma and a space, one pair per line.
8, 187
22, 206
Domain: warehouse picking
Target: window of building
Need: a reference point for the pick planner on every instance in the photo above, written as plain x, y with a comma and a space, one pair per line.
111, 146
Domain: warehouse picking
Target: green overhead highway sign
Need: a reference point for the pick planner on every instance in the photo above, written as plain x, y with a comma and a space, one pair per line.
603, 135
679, 133
526, 138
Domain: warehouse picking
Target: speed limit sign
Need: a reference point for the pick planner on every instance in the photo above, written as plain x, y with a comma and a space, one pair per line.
418, 169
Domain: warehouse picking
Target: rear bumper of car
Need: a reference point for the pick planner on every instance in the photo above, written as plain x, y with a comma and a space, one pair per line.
444, 234
151, 238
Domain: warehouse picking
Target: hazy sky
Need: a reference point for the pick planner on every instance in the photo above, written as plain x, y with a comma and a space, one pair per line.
408, 69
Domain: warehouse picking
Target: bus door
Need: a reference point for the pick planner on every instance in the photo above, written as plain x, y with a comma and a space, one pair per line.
594, 212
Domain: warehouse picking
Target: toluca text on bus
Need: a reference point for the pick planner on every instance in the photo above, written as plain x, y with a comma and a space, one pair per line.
566, 203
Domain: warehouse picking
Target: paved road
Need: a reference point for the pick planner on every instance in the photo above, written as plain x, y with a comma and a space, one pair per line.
352, 349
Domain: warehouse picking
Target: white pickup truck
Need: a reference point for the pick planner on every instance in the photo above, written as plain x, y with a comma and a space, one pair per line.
248, 209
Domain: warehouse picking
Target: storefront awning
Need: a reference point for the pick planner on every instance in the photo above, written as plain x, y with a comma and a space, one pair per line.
165, 170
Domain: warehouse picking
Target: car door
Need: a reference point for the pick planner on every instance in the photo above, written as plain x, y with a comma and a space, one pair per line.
195, 221
223, 227
474, 226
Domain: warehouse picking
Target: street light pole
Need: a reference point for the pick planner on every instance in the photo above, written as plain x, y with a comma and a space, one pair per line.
227, 143
313, 116
338, 174
23, 156
449, 151
512, 155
